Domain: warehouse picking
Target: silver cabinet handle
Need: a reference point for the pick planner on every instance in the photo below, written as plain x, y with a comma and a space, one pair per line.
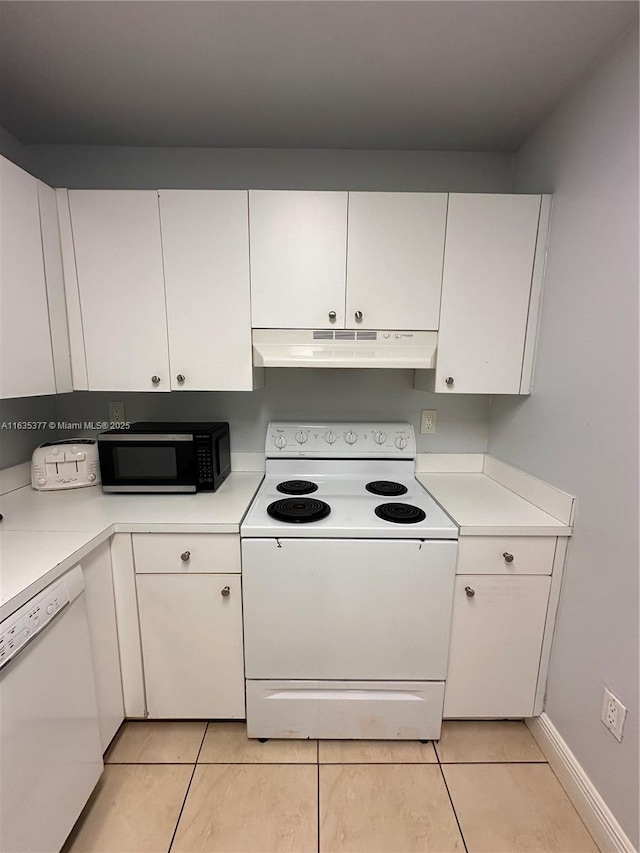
225, 592
155, 380
470, 591
332, 316
185, 556
508, 558
180, 377
358, 316
449, 381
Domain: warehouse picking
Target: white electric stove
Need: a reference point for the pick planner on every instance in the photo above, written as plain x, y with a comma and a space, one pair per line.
348, 570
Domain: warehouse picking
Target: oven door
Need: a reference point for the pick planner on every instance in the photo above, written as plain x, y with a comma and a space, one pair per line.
147, 463
347, 608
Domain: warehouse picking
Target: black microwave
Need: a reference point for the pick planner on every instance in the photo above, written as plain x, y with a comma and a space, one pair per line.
165, 457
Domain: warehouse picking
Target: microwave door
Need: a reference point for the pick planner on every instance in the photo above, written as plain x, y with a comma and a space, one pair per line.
149, 463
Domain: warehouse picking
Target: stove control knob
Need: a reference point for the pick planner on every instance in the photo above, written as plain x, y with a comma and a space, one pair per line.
280, 441
379, 438
330, 437
401, 442
301, 437
351, 437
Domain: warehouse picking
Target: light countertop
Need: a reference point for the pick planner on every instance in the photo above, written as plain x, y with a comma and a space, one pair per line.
45, 533
482, 507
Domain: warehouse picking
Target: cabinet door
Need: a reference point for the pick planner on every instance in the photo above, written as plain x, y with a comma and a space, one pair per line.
298, 259
192, 645
205, 245
54, 275
488, 267
103, 633
395, 247
26, 359
496, 641
116, 234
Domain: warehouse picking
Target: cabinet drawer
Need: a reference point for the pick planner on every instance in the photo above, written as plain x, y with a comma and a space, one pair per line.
186, 553
489, 555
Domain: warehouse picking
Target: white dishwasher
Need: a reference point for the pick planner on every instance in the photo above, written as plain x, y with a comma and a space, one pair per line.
49, 735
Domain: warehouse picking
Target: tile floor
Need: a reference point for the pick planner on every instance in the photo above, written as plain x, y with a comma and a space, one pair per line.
193, 786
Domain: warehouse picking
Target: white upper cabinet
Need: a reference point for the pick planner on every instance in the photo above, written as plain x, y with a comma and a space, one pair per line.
310, 270
205, 246
490, 293
26, 358
395, 248
118, 257
298, 259
54, 275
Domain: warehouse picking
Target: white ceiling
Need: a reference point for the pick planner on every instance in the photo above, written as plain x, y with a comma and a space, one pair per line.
422, 75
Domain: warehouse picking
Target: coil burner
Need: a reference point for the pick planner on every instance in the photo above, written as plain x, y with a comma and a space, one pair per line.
298, 510
400, 513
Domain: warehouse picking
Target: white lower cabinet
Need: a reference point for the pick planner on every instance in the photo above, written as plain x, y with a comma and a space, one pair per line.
496, 643
191, 631
103, 634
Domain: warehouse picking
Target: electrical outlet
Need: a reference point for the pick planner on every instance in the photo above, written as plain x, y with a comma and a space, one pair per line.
613, 714
428, 421
116, 413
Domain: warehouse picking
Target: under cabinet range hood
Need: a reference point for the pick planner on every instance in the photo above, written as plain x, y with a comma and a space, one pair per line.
344, 348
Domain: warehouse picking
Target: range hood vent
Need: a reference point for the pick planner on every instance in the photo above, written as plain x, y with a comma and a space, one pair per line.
344, 348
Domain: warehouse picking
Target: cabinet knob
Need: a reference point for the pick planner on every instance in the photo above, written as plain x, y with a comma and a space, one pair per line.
155, 380
508, 558
185, 556
332, 316
225, 592
358, 316
449, 381
469, 591
180, 377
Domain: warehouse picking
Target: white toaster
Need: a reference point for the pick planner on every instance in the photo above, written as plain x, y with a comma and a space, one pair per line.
68, 464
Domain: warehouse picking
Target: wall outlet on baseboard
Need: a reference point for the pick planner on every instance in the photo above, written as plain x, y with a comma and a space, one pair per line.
613, 714
428, 421
116, 413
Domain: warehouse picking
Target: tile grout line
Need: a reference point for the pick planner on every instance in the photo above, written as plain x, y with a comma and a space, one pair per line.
455, 813
186, 793
318, 790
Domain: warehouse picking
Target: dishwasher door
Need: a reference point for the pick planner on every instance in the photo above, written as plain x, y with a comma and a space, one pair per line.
49, 735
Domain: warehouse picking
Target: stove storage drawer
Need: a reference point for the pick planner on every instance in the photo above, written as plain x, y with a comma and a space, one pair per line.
186, 553
373, 710
347, 608
508, 555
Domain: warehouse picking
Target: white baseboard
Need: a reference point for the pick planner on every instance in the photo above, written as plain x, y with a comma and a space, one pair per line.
597, 816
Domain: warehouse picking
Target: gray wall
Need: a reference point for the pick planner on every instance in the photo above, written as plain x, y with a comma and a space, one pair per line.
94, 166
17, 442
304, 394
579, 429
16, 151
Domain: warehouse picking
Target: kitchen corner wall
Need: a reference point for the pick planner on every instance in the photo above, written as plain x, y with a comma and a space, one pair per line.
579, 429
288, 394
